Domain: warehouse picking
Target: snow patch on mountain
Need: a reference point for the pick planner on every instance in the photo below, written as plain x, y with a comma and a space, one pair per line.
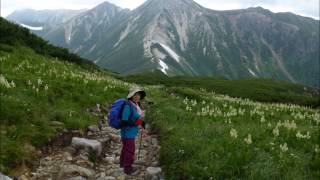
160, 57
251, 72
204, 51
164, 67
97, 60
68, 32
174, 55
31, 27
93, 47
158, 54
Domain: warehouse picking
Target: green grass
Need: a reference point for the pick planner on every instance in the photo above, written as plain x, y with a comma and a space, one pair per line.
194, 133
257, 89
28, 109
197, 145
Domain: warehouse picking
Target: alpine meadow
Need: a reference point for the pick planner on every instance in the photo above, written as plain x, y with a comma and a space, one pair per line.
229, 94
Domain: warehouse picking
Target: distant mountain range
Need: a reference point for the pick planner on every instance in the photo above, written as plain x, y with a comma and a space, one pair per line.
42, 21
181, 37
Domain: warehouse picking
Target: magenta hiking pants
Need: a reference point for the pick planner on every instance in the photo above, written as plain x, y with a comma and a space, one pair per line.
127, 153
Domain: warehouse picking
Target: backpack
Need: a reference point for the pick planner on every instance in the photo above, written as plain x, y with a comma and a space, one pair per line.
115, 113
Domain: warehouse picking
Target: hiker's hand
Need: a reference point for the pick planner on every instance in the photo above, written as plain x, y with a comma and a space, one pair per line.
143, 113
144, 133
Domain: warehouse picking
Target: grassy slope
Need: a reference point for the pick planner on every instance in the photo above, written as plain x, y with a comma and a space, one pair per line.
263, 90
16, 35
194, 143
27, 110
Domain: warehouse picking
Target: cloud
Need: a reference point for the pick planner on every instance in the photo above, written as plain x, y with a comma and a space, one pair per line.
303, 7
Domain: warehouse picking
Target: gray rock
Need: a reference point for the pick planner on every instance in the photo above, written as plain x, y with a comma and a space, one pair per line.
107, 178
93, 128
115, 138
148, 127
110, 160
103, 174
77, 178
90, 133
122, 177
154, 141
57, 123
70, 150
84, 156
155, 163
3, 177
85, 163
153, 171
98, 107
104, 140
139, 161
72, 169
67, 156
87, 144
117, 160
48, 158
23, 177
117, 172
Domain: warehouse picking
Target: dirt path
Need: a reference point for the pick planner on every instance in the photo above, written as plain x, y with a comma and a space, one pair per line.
80, 163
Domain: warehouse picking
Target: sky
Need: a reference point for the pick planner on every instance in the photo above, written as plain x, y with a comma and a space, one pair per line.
308, 8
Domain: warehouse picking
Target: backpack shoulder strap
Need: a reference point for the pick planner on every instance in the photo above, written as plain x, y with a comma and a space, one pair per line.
131, 110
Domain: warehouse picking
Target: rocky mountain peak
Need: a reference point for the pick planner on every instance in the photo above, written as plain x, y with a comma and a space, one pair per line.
180, 37
170, 4
107, 6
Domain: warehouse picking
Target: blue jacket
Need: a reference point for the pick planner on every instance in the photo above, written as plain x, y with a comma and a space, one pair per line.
129, 132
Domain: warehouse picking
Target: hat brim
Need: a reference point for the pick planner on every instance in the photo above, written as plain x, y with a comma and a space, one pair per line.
142, 94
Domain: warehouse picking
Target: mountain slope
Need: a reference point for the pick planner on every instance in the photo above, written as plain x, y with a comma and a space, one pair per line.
83, 31
42, 21
45, 91
183, 38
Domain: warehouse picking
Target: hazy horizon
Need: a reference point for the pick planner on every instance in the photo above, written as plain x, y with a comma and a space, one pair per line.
308, 8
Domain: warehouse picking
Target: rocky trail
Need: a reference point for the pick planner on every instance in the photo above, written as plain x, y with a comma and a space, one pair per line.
95, 154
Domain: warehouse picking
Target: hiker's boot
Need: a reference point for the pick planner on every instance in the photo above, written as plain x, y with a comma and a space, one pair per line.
131, 171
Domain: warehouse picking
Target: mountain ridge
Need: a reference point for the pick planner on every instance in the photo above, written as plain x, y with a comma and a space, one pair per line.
184, 38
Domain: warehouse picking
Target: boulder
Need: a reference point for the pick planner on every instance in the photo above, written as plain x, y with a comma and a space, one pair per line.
77, 178
153, 172
3, 177
107, 178
23, 177
109, 159
74, 169
93, 128
114, 138
67, 156
87, 144
117, 172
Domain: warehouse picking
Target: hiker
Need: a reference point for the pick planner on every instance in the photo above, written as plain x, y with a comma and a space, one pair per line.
131, 120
